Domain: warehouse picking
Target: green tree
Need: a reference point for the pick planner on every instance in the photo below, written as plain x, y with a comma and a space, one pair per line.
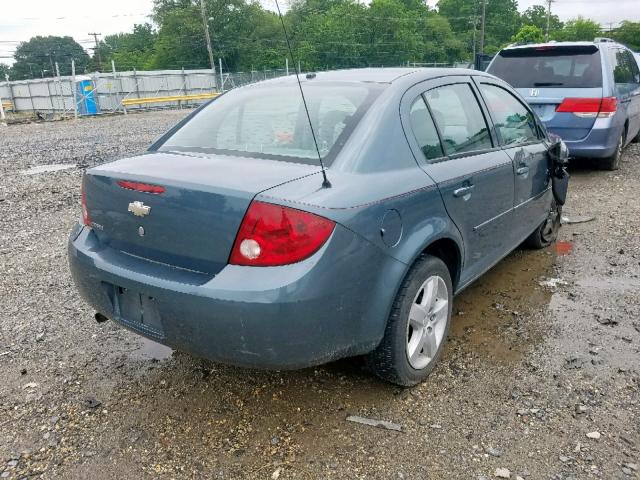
4, 70
323, 34
129, 50
37, 57
180, 41
579, 29
536, 15
529, 34
502, 21
241, 32
628, 33
336, 37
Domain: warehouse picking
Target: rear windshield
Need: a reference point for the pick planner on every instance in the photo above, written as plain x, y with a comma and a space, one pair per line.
549, 66
269, 121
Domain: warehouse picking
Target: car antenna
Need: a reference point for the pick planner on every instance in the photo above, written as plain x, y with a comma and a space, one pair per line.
325, 182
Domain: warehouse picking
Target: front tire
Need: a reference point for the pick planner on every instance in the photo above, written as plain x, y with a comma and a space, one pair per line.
547, 232
418, 326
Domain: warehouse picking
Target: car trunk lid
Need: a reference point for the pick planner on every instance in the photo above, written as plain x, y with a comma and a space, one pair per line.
193, 222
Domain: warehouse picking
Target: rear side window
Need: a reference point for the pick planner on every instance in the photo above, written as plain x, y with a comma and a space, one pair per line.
425, 131
549, 66
624, 65
514, 122
458, 116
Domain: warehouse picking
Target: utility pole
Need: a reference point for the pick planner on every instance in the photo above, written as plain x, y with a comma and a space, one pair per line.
546, 35
484, 17
97, 52
205, 23
473, 46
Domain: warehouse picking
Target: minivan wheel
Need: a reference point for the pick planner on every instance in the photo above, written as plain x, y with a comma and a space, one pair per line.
547, 232
613, 162
418, 326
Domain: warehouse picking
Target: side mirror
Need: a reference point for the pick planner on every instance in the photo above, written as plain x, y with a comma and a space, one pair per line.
559, 156
558, 151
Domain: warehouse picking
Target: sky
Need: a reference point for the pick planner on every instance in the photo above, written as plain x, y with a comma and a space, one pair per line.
23, 19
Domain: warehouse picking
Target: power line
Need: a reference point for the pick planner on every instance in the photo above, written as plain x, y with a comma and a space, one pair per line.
97, 49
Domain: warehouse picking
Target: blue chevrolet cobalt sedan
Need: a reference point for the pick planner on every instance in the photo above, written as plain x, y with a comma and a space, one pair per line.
224, 239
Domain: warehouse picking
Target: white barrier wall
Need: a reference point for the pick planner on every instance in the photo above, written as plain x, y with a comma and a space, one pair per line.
56, 95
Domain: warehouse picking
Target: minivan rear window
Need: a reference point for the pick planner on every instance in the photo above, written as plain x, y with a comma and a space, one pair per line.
269, 121
549, 66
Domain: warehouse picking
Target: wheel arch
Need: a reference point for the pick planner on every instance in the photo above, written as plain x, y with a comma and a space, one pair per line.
447, 250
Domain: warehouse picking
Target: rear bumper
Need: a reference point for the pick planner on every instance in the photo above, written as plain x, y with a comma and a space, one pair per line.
601, 142
334, 304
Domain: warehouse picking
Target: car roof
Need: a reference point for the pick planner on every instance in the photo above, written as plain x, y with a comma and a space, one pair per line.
373, 75
560, 44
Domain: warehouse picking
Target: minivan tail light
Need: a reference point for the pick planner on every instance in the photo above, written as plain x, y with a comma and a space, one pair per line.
608, 107
86, 217
141, 187
272, 235
589, 107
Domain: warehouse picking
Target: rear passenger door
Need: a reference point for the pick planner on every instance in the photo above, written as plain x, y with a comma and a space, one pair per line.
454, 145
522, 139
626, 78
633, 77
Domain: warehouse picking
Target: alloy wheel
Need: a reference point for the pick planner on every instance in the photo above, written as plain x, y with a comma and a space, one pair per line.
427, 322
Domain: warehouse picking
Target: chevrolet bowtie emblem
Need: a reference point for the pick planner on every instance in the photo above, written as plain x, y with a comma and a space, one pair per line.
139, 209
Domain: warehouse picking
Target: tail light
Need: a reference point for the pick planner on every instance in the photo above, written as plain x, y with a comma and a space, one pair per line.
86, 218
589, 107
141, 187
273, 235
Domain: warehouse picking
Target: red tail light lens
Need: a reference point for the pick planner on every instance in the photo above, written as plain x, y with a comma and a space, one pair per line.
141, 187
589, 107
609, 107
273, 235
86, 218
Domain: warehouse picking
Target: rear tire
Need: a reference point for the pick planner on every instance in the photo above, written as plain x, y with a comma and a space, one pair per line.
418, 325
547, 232
613, 162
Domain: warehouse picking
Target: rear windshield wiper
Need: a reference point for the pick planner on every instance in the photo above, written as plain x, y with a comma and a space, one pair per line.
548, 84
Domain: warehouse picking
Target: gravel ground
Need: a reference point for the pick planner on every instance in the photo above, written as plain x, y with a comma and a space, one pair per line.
538, 381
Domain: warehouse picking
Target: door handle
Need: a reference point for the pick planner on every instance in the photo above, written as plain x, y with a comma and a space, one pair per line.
522, 170
462, 191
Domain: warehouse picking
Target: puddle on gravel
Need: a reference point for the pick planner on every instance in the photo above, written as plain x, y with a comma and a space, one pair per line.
498, 316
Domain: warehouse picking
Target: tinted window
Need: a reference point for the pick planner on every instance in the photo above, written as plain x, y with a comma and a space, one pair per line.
573, 67
458, 116
625, 67
269, 121
424, 130
514, 122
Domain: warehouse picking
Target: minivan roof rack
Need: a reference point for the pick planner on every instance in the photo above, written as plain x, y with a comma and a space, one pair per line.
604, 40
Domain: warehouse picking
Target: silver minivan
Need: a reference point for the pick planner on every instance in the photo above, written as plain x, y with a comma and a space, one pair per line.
588, 93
